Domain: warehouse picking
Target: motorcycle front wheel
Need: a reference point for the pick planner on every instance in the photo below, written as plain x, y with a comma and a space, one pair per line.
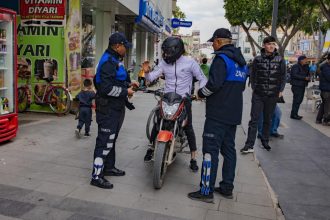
160, 166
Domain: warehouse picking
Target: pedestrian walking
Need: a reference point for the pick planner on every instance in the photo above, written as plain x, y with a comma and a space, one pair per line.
312, 70
113, 86
267, 77
205, 68
224, 104
85, 98
299, 80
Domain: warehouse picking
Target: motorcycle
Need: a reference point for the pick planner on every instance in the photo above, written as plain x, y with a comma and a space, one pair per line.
171, 138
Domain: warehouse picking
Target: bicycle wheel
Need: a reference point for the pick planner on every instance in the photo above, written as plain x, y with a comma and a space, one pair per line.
59, 100
22, 99
152, 117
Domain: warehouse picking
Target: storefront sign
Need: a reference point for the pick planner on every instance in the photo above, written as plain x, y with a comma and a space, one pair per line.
326, 46
149, 12
42, 12
178, 23
73, 47
40, 58
168, 29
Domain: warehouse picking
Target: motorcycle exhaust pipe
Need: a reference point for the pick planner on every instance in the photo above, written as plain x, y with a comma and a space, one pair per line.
205, 190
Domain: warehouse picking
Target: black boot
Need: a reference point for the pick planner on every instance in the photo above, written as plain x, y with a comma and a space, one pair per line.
148, 156
200, 197
193, 165
227, 194
266, 145
101, 182
113, 172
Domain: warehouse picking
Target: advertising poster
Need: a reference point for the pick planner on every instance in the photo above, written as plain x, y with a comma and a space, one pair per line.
73, 47
43, 12
40, 60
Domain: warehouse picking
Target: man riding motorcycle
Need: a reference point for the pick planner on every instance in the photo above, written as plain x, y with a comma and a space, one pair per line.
179, 71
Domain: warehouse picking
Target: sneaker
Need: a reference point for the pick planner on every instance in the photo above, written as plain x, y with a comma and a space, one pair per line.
266, 145
77, 131
227, 194
200, 197
259, 136
87, 135
148, 156
247, 149
277, 135
193, 165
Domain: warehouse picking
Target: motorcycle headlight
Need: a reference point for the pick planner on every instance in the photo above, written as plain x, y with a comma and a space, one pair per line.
169, 110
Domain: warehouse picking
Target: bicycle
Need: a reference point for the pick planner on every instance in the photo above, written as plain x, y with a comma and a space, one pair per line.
53, 94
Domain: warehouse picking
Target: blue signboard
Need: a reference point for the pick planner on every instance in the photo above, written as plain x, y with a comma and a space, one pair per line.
148, 10
178, 23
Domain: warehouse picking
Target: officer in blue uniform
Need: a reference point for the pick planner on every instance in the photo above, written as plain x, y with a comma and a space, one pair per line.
224, 105
113, 87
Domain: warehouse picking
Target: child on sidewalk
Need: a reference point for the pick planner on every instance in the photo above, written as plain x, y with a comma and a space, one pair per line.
85, 98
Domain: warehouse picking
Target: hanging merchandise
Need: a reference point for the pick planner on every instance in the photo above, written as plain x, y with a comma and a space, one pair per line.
73, 47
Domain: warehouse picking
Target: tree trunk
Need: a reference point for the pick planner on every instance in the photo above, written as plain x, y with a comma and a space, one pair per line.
251, 40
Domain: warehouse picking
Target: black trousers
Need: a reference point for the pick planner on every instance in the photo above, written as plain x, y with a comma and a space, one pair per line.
326, 105
189, 130
320, 113
265, 105
109, 126
85, 118
298, 97
220, 137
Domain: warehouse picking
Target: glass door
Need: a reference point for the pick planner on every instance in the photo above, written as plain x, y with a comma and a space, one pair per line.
7, 98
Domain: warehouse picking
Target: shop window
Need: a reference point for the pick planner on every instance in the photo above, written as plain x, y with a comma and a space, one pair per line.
88, 41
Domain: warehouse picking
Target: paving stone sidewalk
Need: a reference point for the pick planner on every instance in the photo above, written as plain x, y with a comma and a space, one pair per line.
45, 174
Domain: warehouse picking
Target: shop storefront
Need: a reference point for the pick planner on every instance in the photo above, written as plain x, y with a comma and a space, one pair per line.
65, 40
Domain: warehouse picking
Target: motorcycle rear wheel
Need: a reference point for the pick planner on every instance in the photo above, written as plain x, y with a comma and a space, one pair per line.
160, 166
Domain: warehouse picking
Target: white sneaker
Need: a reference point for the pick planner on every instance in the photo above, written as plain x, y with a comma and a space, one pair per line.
246, 150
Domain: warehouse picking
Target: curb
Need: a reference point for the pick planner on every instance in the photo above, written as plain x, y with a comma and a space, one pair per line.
273, 196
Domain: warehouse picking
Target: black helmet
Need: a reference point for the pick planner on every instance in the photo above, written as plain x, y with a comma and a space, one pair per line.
172, 48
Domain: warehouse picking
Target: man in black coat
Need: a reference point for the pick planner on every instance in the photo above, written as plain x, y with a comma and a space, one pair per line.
325, 90
299, 80
267, 78
224, 105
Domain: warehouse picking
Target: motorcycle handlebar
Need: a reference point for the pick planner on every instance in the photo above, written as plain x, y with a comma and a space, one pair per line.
160, 93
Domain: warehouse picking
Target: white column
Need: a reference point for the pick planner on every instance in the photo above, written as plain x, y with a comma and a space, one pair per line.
104, 21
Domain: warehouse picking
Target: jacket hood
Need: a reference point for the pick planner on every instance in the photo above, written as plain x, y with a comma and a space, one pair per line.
233, 53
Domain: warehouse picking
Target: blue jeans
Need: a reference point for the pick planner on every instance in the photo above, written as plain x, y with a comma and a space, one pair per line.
276, 119
220, 137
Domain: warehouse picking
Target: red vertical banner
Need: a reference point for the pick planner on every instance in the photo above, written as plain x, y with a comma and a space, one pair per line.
42, 12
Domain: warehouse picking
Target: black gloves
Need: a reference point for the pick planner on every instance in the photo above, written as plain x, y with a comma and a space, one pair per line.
129, 105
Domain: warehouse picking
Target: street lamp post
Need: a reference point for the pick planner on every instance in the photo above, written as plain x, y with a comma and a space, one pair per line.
319, 21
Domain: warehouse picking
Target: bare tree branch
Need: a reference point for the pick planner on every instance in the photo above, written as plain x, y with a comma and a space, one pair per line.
325, 10
252, 42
